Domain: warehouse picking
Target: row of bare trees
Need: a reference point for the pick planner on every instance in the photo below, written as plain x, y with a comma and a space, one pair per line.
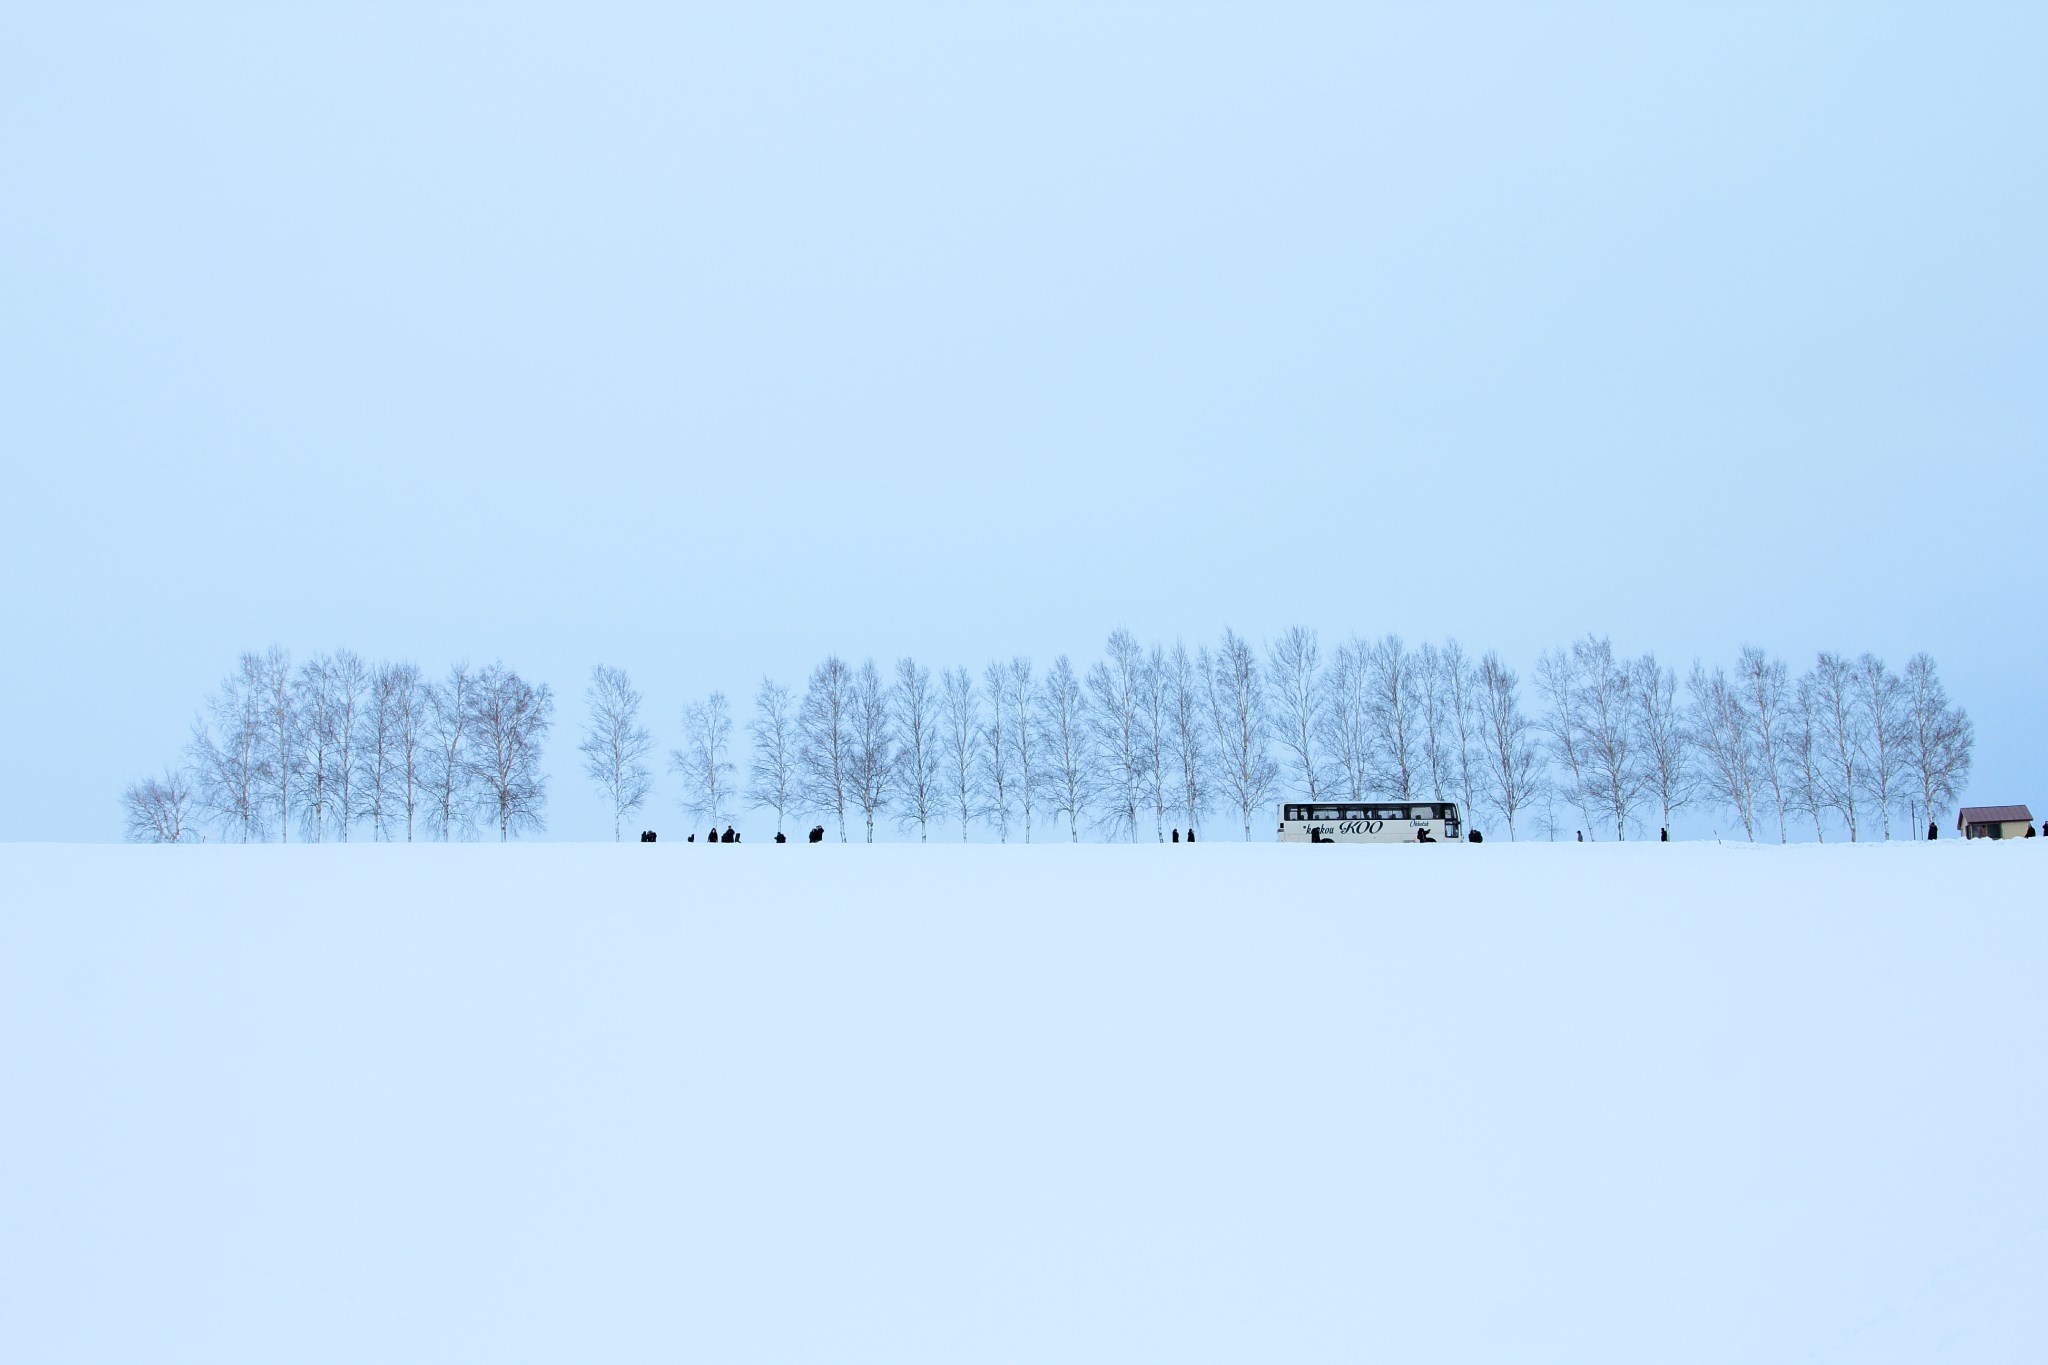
1148, 737
1848, 739
1145, 738
338, 746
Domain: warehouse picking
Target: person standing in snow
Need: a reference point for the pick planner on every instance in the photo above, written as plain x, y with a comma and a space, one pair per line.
1176, 834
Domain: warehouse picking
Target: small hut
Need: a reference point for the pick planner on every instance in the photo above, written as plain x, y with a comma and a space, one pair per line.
1995, 822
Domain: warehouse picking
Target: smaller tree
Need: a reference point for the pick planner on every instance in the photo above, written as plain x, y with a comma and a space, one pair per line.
157, 811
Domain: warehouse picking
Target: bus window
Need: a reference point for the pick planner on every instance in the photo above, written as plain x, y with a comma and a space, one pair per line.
1355, 813
1326, 813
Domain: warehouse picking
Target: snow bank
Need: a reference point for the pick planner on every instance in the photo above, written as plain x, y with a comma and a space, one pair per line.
1575, 1103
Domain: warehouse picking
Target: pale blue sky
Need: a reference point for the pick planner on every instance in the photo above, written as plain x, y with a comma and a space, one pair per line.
703, 341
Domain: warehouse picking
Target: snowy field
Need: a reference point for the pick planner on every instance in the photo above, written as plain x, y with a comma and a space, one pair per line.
676, 1103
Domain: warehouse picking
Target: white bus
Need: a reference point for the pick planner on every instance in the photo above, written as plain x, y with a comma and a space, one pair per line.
1370, 822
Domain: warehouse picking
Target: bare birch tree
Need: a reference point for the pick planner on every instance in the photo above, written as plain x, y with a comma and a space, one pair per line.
1660, 736
1433, 710
996, 783
960, 744
824, 742
449, 712
158, 810
1187, 704
1881, 695
772, 767
872, 756
1347, 722
1238, 716
284, 750
701, 762
228, 753
1391, 716
1300, 707
313, 697
1154, 693
378, 773
615, 744
1557, 679
1062, 722
349, 677
1514, 763
1725, 736
1022, 693
1838, 737
509, 722
1768, 704
398, 740
1939, 738
915, 713
1116, 729
1607, 711
1461, 687
1803, 785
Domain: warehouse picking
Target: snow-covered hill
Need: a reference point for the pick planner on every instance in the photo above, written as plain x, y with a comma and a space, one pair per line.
555, 1102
